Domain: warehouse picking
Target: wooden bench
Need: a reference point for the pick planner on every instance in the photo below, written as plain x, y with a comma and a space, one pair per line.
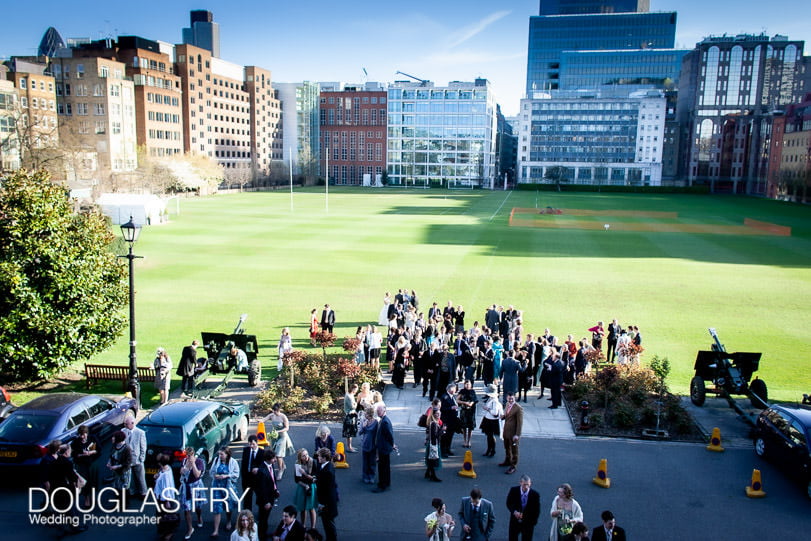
105, 372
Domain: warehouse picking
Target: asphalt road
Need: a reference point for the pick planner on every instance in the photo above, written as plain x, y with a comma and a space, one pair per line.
658, 491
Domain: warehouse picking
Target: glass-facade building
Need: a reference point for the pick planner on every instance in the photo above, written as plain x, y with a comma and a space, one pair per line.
630, 69
574, 7
441, 135
550, 36
301, 136
592, 139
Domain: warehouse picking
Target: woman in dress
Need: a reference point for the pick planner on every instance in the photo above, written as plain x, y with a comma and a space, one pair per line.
439, 525
313, 326
360, 354
350, 428
165, 494
565, 512
245, 529
120, 461
305, 499
285, 346
368, 431
224, 476
467, 401
375, 343
281, 444
433, 432
622, 347
192, 489
163, 371
492, 409
324, 439
383, 318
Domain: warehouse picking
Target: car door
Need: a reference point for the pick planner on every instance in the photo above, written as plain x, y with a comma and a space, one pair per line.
77, 416
105, 416
782, 446
209, 434
798, 452
224, 416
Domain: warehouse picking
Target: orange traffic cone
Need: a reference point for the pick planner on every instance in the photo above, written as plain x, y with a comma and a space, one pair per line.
467, 466
755, 488
602, 479
715, 441
340, 456
261, 435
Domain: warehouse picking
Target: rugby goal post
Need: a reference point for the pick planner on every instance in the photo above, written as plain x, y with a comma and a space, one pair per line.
421, 183
460, 184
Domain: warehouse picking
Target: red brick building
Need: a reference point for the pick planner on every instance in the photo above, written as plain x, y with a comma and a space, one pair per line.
353, 132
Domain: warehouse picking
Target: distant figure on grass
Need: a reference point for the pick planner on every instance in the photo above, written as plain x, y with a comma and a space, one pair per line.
163, 374
327, 318
383, 317
313, 326
187, 368
613, 335
285, 346
597, 333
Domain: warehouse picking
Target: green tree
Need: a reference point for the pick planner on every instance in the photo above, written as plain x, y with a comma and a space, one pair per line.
61, 288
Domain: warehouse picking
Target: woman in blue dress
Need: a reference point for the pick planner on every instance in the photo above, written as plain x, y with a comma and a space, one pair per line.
224, 476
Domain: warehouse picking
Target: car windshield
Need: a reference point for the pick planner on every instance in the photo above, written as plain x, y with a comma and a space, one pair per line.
26, 427
163, 436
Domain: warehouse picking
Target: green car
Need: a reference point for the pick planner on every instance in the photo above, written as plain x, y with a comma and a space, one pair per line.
205, 425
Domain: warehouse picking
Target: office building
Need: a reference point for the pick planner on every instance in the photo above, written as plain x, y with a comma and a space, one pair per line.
790, 153
203, 32
744, 79
35, 116
50, 43
352, 124
552, 35
96, 108
586, 138
302, 139
442, 135
158, 97
9, 142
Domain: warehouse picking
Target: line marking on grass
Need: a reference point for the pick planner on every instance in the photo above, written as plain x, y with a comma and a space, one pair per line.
499, 207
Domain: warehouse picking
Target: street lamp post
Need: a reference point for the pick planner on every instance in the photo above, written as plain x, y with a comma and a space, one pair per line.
130, 231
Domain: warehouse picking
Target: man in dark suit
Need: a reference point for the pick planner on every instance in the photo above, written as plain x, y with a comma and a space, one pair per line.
524, 504
433, 311
326, 492
613, 335
556, 380
266, 492
385, 445
477, 517
491, 319
187, 366
637, 336
513, 417
289, 529
509, 375
609, 530
450, 419
251, 460
327, 318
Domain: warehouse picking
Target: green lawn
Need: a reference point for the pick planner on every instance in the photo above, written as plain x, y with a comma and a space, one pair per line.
229, 254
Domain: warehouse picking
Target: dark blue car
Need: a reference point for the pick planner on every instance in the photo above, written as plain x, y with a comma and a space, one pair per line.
25, 434
783, 434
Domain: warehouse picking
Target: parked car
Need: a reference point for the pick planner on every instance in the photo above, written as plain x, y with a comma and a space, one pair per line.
25, 434
782, 434
6, 407
204, 425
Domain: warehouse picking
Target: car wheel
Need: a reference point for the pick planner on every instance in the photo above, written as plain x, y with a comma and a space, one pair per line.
698, 392
760, 447
760, 395
242, 429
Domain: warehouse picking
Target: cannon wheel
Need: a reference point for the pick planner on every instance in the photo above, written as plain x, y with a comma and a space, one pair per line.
253, 373
758, 394
698, 392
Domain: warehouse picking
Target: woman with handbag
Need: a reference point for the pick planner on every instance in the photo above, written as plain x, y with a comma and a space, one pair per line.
565, 513
305, 499
433, 433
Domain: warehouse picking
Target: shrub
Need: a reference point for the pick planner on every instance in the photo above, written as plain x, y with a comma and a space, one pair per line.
581, 388
625, 414
322, 404
279, 391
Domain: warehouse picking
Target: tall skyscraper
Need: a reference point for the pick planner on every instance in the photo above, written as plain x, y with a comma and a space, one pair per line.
579, 7
203, 32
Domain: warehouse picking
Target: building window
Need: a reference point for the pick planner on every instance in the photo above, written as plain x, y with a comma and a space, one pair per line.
98, 109
80, 71
23, 83
100, 127
81, 109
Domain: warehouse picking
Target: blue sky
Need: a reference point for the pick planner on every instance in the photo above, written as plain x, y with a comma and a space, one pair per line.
316, 40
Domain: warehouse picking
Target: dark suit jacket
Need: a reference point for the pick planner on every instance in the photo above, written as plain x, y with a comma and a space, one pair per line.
598, 534
509, 374
449, 416
248, 478
328, 317
385, 436
296, 532
188, 362
265, 486
533, 508
326, 490
487, 519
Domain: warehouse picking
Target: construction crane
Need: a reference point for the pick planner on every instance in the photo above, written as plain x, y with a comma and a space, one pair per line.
423, 82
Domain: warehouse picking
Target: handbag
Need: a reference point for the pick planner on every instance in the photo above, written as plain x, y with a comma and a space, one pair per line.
433, 451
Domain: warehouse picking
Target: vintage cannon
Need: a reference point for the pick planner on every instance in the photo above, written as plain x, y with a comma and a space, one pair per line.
221, 360
730, 374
